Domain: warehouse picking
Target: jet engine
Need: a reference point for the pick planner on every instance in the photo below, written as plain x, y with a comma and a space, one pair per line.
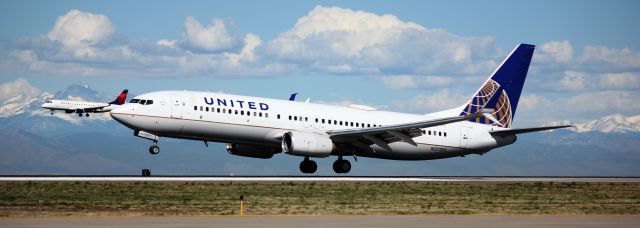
252, 151
307, 144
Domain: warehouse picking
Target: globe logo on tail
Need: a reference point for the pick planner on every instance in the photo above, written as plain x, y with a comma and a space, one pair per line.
502, 106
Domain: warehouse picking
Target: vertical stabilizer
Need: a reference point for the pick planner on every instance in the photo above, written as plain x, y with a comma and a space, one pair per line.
501, 91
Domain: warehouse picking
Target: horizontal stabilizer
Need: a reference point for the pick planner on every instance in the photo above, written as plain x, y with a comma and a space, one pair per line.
525, 130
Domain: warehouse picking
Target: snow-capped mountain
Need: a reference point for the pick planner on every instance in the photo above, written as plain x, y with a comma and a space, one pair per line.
21, 104
609, 124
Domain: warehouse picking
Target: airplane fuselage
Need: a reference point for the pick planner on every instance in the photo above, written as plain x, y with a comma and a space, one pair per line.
259, 121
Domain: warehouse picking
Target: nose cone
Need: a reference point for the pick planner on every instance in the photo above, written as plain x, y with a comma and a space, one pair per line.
122, 114
46, 105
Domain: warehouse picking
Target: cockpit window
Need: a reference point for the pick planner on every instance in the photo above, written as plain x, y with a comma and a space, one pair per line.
149, 102
134, 101
142, 102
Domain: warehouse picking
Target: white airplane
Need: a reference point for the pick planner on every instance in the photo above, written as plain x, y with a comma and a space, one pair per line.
85, 107
261, 127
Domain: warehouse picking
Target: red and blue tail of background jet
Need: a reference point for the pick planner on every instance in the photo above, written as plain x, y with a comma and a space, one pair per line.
121, 98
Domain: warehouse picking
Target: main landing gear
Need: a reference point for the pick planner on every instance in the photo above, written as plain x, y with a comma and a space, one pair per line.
79, 114
154, 149
308, 166
341, 166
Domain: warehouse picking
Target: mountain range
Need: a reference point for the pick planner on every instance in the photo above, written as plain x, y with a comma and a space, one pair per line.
32, 141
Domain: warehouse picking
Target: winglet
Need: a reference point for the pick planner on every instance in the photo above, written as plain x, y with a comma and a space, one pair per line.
293, 96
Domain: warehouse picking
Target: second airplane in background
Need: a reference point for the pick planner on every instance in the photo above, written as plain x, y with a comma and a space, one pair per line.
85, 107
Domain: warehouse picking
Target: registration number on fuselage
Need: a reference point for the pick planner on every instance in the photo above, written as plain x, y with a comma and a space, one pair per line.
438, 149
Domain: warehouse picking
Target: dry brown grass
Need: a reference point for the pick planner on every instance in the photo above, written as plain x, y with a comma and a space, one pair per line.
132, 199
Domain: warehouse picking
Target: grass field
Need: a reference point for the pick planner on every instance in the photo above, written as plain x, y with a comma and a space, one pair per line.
27, 199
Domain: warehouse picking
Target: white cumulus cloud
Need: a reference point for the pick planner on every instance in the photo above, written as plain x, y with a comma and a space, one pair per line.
559, 51
339, 40
212, 38
19, 87
626, 80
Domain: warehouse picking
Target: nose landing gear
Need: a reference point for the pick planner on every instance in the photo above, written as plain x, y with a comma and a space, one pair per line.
308, 166
154, 149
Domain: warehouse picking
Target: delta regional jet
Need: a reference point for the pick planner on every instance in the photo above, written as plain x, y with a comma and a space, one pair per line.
260, 127
85, 107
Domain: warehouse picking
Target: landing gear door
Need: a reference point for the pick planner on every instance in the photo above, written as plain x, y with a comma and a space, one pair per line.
176, 107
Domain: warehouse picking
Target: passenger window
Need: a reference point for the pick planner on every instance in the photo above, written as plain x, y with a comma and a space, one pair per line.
341, 123
278, 116
351, 123
368, 125
316, 120
295, 118
242, 113
445, 134
248, 113
266, 115
236, 111
439, 133
306, 119
322, 120
429, 132
290, 117
260, 114
195, 108
207, 109
357, 125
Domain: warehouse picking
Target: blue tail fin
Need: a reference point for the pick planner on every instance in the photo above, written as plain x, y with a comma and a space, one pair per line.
501, 91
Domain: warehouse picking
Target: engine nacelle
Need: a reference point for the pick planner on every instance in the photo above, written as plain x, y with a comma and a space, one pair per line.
307, 144
251, 151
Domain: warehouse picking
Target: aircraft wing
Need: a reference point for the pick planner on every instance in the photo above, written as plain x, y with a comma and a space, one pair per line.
95, 109
383, 135
524, 130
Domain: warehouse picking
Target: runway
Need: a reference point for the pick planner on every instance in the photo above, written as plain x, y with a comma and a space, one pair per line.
317, 179
331, 221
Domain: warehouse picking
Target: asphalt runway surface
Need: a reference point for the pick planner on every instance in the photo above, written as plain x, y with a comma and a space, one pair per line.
331, 221
320, 179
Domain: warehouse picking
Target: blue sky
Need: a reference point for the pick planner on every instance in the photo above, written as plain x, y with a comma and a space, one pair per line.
412, 56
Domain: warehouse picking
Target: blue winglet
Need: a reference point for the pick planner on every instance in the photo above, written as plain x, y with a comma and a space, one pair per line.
293, 96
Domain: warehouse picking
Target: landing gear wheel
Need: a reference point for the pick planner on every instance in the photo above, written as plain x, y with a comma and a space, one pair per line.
154, 149
87, 114
80, 114
308, 166
341, 166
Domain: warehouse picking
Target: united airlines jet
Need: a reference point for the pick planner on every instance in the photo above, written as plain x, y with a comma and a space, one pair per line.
260, 127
